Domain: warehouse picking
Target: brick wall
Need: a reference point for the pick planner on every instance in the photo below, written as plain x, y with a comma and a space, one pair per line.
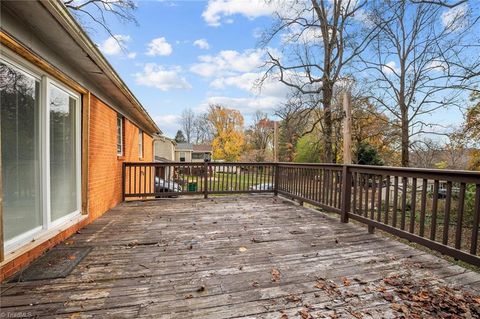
104, 175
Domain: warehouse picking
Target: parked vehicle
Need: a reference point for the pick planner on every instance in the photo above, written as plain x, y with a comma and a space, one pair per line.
166, 186
262, 187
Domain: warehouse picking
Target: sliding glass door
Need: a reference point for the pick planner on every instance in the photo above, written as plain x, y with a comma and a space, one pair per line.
40, 152
20, 138
63, 180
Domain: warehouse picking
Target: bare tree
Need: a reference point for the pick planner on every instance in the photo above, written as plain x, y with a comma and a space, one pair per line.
260, 135
296, 120
187, 120
202, 129
420, 62
98, 11
320, 39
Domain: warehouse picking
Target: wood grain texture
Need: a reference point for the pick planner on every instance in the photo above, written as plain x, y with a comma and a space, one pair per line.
214, 258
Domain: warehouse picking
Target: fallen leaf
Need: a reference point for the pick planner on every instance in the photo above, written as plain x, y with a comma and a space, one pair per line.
190, 296
293, 298
304, 314
242, 249
72, 257
275, 274
388, 296
346, 282
255, 284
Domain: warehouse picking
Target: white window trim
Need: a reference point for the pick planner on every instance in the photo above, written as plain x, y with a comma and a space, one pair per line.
122, 121
16, 243
140, 143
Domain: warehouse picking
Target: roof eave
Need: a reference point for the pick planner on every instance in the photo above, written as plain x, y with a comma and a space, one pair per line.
70, 25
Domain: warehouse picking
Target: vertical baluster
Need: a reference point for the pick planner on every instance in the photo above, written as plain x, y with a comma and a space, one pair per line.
433, 230
379, 198
387, 198
395, 202
423, 207
367, 177
446, 218
360, 192
354, 199
129, 179
413, 205
404, 202
476, 219
460, 211
372, 199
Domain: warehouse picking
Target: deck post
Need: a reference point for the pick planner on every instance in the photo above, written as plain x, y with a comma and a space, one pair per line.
205, 180
346, 193
277, 178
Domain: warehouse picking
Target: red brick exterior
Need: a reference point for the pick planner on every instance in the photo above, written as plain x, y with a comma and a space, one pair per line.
104, 174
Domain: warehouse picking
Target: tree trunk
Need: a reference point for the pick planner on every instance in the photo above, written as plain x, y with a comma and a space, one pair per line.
327, 91
405, 138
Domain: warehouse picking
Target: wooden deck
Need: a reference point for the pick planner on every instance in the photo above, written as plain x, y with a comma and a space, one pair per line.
242, 256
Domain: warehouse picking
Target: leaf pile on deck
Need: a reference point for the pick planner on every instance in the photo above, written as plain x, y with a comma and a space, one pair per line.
418, 299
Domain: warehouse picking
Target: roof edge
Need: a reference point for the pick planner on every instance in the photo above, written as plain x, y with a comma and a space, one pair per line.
68, 22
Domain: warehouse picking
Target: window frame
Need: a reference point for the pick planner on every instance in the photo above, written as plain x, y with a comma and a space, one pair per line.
48, 226
140, 143
184, 157
119, 135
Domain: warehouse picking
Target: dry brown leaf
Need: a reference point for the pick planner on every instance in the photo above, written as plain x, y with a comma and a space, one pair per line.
72, 257
304, 314
293, 298
346, 282
275, 274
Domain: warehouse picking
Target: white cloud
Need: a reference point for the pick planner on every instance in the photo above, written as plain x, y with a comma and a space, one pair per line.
227, 62
159, 46
202, 44
390, 68
132, 55
113, 45
436, 65
169, 124
456, 17
217, 9
250, 81
162, 78
246, 105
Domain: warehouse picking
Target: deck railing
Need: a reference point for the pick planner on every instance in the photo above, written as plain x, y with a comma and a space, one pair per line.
438, 209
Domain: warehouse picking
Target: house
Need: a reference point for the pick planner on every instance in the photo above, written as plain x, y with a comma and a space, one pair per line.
68, 123
163, 149
187, 152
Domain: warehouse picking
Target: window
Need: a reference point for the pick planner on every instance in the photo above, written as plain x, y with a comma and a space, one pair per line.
40, 142
198, 156
140, 143
119, 135
182, 156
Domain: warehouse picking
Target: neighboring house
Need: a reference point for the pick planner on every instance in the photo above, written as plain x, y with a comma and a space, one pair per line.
68, 122
201, 153
186, 152
164, 149
183, 152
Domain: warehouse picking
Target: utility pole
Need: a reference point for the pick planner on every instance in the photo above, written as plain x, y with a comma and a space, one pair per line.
347, 128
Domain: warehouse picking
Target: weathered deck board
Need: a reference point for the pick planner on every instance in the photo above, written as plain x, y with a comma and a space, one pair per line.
196, 258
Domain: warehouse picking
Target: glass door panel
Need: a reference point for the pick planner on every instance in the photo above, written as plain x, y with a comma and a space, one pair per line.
20, 142
63, 165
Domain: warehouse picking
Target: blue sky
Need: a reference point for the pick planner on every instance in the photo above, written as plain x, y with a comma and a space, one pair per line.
176, 58
187, 54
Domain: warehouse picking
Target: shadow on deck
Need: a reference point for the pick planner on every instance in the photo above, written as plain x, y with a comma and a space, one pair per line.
242, 256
